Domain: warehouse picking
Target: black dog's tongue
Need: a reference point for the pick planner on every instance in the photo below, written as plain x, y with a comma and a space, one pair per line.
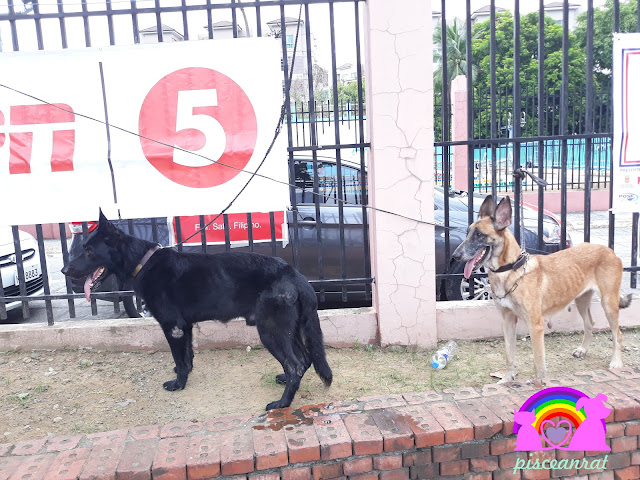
87, 283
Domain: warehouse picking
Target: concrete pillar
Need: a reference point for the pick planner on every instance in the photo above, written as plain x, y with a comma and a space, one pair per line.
459, 131
400, 118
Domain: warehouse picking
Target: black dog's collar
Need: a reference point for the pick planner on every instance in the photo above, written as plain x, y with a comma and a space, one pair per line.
522, 259
144, 260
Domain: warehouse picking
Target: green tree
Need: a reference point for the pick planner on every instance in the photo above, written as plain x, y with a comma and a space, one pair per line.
528, 73
456, 37
602, 34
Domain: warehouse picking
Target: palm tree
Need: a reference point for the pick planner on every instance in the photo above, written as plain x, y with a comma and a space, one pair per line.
456, 37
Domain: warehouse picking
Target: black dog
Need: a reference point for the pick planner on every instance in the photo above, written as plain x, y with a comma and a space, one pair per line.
180, 289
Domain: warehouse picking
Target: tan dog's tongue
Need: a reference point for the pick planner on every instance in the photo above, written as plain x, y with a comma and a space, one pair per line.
468, 267
87, 288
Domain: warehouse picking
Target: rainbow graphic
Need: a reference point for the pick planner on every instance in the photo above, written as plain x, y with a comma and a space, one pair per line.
554, 402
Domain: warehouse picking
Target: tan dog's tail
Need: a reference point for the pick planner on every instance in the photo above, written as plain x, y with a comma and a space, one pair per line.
625, 301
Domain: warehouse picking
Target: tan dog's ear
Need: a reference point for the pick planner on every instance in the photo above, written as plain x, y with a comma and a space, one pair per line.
486, 209
502, 214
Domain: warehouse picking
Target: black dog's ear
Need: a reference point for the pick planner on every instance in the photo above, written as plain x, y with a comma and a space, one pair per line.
486, 209
111, 233
503, 214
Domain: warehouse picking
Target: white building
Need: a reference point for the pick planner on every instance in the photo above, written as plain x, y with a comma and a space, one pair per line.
150, 35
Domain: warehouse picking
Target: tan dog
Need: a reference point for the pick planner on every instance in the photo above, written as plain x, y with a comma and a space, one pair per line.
532, 287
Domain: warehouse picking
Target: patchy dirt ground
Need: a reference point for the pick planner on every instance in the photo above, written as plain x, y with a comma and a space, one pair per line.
84, 391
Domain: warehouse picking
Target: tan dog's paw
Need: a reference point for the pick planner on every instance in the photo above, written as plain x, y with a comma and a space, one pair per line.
580, 352
616, 364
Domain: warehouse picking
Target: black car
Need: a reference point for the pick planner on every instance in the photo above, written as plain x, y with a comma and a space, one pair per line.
309, 248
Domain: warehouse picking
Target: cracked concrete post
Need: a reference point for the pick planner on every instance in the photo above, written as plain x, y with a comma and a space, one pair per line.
459, 132
400, 117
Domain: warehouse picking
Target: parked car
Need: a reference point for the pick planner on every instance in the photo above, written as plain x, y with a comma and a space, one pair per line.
328, 229
9, 268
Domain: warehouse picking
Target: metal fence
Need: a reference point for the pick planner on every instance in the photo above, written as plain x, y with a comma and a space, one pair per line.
562, 128
318, 228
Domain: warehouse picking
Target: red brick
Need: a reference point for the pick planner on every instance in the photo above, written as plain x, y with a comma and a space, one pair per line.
561, 455
296, 473
264, 476
463, 393
359, 465
589, 466
624, 407
625, 373
332, 470
107, 438
33, 467
624, 444
8, 465
503, 445
479, 476
103, 462
631, 428
425, 471
364, 476
457, 467
618, 460
227, 423
421, 457
333, 437
170, 461
180, 429
59, 444
456, 426
302, 442
68, 465
508, 460
635, 458
503, 407
136, 460
486, 464
270, 447
203, 457
536, 474
599, 376
485, 423
629, 473
494, 390
507, 474
475, 450
422, 397
387, 462
615, 430
145, 433
601, 476
402, 474
29, 447
366, 436
426, 429
396, 433
4, 448
446, 453
382, 401
236, 452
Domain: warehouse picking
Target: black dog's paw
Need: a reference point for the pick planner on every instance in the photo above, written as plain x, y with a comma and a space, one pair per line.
281, 379
173, 385
277, 404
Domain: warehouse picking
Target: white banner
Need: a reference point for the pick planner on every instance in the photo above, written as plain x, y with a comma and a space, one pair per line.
626, 123
217, 99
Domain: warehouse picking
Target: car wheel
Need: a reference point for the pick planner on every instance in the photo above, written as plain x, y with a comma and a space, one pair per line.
460, 288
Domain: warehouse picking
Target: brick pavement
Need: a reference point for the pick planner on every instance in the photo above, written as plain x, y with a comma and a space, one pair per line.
457, 434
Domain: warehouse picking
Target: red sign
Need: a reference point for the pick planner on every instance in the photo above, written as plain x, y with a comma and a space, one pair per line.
238, 228
175, 119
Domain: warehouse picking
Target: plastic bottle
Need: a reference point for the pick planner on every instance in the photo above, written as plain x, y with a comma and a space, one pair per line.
440, 359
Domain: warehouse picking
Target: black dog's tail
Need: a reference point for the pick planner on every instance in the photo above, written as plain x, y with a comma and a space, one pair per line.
314, 341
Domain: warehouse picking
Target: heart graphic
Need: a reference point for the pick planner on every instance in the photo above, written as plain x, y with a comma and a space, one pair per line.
555, 435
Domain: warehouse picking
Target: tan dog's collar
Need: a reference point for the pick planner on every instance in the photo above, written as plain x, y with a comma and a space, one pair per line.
144, 260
